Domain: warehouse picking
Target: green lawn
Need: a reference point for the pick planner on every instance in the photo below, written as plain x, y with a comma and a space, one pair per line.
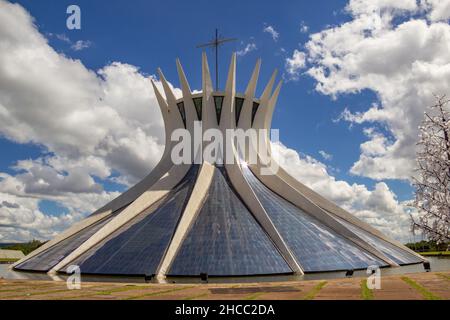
4, 260
428, 295
435, 253
312, 294
366, 293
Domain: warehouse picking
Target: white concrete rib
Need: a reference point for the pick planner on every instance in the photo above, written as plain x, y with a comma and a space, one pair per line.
166, 175
191, 113
194, 205
146, 200
172, 121
245, 117
209, 118
252, 202
323, 208
275, 183
128, 196
283, 189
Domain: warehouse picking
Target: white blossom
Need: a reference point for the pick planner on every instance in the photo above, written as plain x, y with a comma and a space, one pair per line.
433, 182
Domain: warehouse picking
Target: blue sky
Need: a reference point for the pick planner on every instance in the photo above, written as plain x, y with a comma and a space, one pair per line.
374, 94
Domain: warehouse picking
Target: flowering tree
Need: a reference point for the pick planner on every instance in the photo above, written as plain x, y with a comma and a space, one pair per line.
432, 184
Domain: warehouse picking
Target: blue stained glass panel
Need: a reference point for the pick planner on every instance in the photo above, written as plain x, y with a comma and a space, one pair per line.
226, 240
393, 252
49, 258
316, 247
138, 247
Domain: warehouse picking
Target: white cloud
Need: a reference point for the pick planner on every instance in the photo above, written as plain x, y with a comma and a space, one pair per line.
248, 48
303, 27
404, 61
325, 155
76, 46
91, 122
361, 7
22, 220
86, 122
81, 44
62, 37
271, 30
295, 64
379, 207
438, 10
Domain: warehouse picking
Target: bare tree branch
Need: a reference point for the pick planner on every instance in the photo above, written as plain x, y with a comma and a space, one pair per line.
432, 186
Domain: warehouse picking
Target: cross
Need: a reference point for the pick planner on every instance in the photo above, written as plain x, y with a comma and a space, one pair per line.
215, 44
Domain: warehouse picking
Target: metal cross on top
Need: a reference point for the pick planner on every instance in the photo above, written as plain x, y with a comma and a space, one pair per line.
215, 44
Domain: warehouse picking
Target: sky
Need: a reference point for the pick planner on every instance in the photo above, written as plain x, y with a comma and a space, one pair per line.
79, 122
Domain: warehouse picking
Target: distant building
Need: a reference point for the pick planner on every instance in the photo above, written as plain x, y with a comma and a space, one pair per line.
10, 255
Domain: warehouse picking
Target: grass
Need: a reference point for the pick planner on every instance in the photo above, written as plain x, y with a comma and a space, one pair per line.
198, 296
7, 260
30, 294
312, 294
366, 293
435, 254
428, 295
445, 276
121, 289
254, 296
22, 288
157, 293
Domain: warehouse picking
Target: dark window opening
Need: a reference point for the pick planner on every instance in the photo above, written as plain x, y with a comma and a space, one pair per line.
254, 110
198, 107
182, 112
238, 103
218, 101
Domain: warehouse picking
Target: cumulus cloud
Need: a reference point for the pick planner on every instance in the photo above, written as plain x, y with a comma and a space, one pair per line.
105, 125
271, 30
295, 64
397, 49
304, 27
91, 125
81, 44
248, 48
438, 10
379, 206
325, 155
76, 46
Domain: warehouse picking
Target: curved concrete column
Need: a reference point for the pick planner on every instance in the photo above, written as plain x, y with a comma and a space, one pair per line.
128, 196
209, 118
227, 117
283, 189
334, 209
198, 196
245, 118
163, 165
191, 113
263, 120
242, 186
147, 199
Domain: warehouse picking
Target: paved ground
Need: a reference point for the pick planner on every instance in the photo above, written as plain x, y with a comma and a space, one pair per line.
416, 286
